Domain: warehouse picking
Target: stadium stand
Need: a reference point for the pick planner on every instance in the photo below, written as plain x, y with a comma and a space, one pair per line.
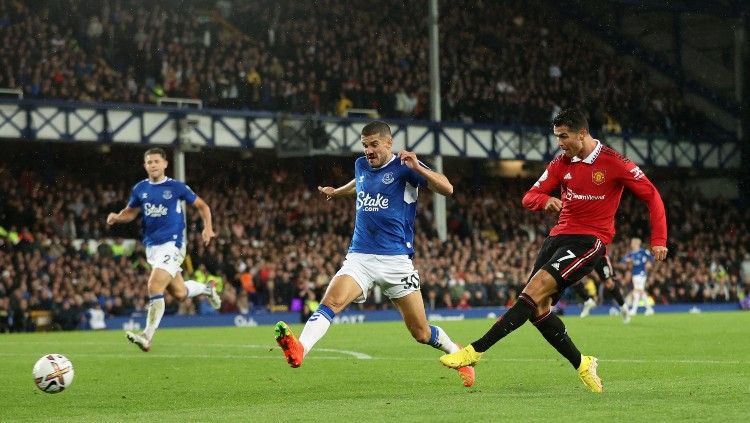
139, 50
280, 242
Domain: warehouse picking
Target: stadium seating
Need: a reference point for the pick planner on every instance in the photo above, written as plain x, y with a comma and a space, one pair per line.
309, 58
278, 240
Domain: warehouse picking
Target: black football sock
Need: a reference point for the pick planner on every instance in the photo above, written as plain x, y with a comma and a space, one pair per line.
553, 330
581, 291
617, 295
516, 316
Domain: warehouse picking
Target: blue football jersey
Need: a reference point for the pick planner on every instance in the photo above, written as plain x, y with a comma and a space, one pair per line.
386, 207
639, 259
161, 212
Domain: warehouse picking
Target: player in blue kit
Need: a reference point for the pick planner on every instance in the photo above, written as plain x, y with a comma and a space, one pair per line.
386, 187
640, 260
163, 225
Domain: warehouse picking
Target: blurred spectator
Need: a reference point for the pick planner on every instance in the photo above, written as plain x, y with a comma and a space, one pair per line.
500, 62
281, 245
67, 316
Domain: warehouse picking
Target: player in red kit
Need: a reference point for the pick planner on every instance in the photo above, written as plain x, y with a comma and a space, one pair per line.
591, 178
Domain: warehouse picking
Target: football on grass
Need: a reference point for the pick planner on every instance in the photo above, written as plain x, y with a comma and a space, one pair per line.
53, 373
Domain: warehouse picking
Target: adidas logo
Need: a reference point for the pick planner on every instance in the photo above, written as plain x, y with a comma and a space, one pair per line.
556, 266
568, 176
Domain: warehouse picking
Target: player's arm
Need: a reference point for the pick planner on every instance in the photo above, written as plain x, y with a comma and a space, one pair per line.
627, 261
205, 212
124, 216
436, 182
538, 197
348, 190
637, 182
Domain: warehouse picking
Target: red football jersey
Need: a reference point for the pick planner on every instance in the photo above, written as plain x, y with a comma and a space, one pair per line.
590, 190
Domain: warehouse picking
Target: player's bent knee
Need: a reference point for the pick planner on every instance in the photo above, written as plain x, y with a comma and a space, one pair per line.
541, 287
335, 304
158, 281
155, 289
535, 292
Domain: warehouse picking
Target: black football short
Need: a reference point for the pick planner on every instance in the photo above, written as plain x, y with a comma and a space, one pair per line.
568, 258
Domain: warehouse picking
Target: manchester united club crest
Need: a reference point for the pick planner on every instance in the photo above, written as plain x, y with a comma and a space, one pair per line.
598, 176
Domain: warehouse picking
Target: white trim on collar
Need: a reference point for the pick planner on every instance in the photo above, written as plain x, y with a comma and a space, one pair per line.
591, 157
166, 178
393, 157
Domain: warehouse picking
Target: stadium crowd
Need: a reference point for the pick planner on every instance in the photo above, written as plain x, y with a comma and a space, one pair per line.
501, 62
279, 242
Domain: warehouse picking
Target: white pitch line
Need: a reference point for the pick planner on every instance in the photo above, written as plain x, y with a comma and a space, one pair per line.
359, 355
363, 356
142, 356
355, 354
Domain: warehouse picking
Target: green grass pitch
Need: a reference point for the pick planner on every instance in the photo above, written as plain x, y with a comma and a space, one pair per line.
670, 367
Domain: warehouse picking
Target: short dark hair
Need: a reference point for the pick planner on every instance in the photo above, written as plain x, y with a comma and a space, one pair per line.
573, 118
376, 127
156, 150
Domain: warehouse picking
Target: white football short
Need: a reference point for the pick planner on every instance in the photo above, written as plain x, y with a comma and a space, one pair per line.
639, 282
166, 257
394, 274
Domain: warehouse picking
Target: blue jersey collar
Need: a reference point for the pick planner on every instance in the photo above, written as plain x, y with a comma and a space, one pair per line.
393, 157
166, 178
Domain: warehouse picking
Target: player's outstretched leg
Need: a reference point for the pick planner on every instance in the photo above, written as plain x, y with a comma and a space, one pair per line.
465, 357
516, 316
614, 291
209, 289
553, 330
213, 295
587, 373
588, 305
636, 303
140, 340
647, 302
625, 313
293, 350
411, 307
153, 318
466, 373
440, 340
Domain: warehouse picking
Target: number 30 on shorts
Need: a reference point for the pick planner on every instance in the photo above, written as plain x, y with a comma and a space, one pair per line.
411, 282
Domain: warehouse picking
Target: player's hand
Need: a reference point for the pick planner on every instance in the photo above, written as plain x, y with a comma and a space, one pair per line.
409, 158
554, 205
207, 234
111, 219
327, 191
660, 253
